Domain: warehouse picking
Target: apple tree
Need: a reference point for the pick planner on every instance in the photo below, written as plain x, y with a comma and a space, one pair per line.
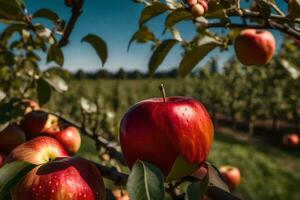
26, 40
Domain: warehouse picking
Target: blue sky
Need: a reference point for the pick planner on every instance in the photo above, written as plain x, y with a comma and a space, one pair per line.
115, 21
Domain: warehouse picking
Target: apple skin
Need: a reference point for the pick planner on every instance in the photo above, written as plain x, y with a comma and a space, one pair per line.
291, 140
30, 105
231, 175
200, 173
198, 10
69, 138
159, 132
255, 47
37, 122
2, 159
191, 3
38, 151
10, 137
120, 194
71, 178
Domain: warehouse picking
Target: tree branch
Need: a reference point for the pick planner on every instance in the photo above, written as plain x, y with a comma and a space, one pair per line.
76, 12
112, 148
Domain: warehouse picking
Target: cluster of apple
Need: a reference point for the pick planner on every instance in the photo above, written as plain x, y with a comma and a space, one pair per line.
40, 141
291, 140
197, 7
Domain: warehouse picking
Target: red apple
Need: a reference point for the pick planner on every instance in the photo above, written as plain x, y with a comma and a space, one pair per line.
255, 47
231, 175
291, 140
191, 3
10, 137
2, 159
175, 134
30, 105
37, 122
71, 178
69, 138
38, 151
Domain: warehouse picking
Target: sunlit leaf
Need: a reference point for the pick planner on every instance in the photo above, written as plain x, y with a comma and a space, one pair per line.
55, 54
151, 11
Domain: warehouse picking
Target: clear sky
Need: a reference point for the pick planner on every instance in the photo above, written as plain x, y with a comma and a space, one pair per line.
114, 21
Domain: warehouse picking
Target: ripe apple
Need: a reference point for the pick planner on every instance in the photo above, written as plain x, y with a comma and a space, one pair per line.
71, 178
254, 47
69, 138
197, 10
38, 151
37, 122
10, 137
2, 159
174, 133
231, 175
191, 3
291, 140
30, 105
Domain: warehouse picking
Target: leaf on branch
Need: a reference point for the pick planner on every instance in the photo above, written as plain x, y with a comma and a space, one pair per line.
12, 10
47, 14
43, 91
294, 73
193, 57
151, 11
197, 190
55, 54
173, 4
143, 35
2, 95
145, 182
10, 30
99, 45
265, 7
159, 54
216, 10
57, 83
177, 16
11, 174
88, 106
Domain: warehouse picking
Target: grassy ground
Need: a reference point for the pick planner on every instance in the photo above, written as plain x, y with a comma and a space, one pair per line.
268, 172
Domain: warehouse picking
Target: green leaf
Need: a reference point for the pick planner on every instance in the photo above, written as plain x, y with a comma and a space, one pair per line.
216, 10
11, 29
177, 16
43, 91
12, 10
143, 35
55, 54
99, 45
159, 54
193, 57
215, 178
46, 13
88, 106
11, 174
145, 182
2, 95
151, 11
57, 83
197, 190
181, 168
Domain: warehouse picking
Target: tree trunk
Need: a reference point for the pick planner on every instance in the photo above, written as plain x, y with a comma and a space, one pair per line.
275, 123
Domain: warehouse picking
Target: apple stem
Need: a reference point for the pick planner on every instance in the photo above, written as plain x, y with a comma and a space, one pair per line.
163, 92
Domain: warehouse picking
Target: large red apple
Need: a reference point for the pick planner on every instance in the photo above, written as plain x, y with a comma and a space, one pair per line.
2, 159
30, 105
255, 47
231, 175
291, 140
69, 138
38, 151
71, 178
174, 133
10, 137
37, 122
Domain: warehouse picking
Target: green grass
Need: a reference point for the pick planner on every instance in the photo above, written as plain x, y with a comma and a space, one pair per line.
268, 172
